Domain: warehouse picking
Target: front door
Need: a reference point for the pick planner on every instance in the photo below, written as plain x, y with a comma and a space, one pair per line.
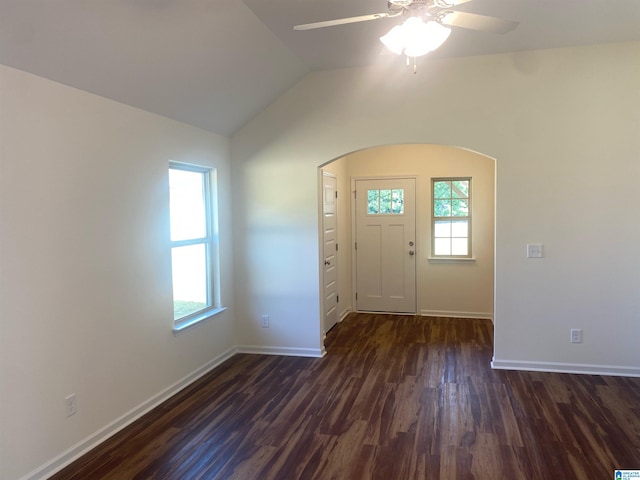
386, 245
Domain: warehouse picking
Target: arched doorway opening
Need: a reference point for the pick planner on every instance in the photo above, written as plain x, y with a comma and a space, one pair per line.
454, 287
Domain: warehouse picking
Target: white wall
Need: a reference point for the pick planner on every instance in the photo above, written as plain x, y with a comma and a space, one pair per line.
277, 237
454, 288
85, 286
565, 130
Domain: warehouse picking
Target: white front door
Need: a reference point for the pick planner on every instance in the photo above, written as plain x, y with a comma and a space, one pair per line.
386, 245
329, 250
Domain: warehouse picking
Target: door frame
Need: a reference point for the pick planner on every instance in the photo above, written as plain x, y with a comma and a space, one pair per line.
418, 211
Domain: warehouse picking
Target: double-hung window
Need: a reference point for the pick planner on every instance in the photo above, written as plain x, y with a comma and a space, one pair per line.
451, 217
193, 242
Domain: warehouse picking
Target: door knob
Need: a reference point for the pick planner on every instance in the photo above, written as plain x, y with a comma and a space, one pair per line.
327, 262
411, 244
411, 252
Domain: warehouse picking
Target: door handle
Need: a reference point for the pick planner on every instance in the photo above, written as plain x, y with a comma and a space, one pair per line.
327, 262
411, 244
411, 252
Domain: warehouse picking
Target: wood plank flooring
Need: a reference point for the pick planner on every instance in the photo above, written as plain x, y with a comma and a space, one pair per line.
396, 398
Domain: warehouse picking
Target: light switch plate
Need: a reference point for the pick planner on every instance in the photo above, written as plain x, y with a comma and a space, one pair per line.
534, 250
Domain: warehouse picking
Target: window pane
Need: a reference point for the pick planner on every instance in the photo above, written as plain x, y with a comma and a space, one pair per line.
442, 246
460, 189
442, 228
451, 217
442, 208
189, 279
385, 201
460, 208
373, 199
397, 201
459, 246
442, 189
187, 205
459, 228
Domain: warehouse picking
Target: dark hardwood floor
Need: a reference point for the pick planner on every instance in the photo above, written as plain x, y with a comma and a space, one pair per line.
396, 397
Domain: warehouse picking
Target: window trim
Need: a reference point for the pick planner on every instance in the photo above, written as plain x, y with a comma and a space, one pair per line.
469, 255
211, 243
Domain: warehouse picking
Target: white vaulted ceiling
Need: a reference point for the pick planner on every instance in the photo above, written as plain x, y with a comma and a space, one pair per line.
216, 63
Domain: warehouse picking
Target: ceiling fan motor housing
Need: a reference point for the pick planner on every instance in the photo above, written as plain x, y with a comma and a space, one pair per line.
400, 3
430, 7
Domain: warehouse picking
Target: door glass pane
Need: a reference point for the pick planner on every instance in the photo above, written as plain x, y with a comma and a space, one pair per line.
373, 202
187, 204
189, 279
385, 201
397, 202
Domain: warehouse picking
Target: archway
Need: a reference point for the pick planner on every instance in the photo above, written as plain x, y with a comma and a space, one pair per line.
451, 287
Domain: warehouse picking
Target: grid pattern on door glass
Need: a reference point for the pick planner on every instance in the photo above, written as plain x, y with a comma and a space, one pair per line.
385, 201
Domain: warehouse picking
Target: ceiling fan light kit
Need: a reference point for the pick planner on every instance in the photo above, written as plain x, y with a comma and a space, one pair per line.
417, 37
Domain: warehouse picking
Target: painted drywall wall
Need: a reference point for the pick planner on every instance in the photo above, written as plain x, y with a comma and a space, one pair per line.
85, 283
278, 274
455, 288
564, 128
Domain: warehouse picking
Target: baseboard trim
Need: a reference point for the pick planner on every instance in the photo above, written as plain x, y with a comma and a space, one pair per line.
579, 368
447, 313
58, 463
284, 351
344, 314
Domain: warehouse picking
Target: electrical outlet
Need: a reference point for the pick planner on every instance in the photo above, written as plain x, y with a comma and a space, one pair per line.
534, 250
576, 335
71, 404
265, 321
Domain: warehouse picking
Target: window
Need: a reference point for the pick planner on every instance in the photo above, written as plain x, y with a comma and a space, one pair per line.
193, 243
451, 225
385, 202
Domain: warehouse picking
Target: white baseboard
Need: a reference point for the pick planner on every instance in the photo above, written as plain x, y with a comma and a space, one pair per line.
344, 314
447, 313
608, 370
285, 351
92, 441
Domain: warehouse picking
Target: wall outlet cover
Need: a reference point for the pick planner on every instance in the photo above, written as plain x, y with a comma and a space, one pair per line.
534, 250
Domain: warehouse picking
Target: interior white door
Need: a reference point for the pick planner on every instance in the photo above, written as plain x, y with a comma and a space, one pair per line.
386, 245
330, 249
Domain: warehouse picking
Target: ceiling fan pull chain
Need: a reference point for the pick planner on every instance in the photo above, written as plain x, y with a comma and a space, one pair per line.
415, 59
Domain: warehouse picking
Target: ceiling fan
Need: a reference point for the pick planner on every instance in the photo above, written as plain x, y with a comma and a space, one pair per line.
429, 10
426, 27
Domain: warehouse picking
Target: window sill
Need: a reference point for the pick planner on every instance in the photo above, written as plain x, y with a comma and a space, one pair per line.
450, 259
184, 325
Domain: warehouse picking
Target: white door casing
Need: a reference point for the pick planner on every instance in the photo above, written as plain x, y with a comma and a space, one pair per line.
329, 250
385, 245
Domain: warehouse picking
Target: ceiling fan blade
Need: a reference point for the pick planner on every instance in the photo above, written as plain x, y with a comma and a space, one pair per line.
342, 21
474, 21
